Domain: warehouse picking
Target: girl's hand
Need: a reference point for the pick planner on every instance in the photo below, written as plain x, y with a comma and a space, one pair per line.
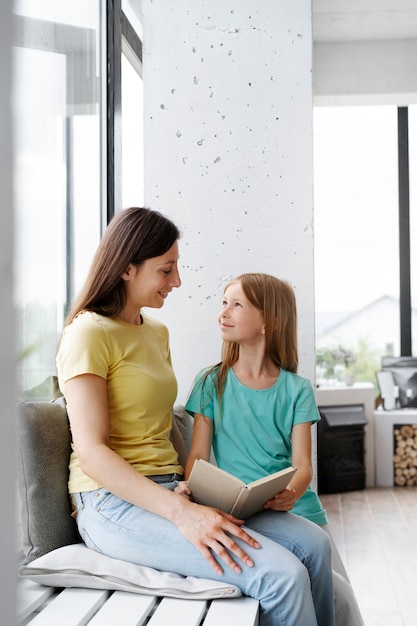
283, 501
212, 532
182, 489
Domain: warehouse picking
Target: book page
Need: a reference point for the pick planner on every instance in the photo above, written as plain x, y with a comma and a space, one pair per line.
258, 492
213, 486
288, 471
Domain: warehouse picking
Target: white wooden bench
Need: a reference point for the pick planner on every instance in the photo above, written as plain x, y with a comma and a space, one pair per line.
45, 606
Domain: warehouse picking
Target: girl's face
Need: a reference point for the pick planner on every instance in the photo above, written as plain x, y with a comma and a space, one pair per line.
148, 285
240, 320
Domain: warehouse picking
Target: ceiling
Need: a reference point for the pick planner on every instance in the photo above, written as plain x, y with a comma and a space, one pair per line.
351, 20
360, 20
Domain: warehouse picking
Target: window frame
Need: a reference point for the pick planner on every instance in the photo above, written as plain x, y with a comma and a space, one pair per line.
121, 39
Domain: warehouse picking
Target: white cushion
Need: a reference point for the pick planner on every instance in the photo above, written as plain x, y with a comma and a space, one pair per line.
78, 566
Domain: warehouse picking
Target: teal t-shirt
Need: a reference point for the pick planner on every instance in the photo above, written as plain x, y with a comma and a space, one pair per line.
252, 437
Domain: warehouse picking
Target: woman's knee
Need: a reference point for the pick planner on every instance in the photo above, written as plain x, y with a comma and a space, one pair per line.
276, 572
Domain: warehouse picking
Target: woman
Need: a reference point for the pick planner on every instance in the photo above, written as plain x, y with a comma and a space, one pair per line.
115, 372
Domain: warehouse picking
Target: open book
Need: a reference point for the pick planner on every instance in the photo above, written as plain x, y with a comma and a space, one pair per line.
215, 487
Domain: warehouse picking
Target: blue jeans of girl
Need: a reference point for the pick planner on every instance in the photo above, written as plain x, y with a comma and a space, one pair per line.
291, 578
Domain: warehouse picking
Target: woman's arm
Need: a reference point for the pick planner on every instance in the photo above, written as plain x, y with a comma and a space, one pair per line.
200, 443
209, 531
301, 458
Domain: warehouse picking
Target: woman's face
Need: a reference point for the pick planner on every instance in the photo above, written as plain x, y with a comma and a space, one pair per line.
148, 285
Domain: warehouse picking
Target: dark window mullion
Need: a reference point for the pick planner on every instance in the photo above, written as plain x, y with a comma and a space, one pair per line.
114, 101
404, 232
69, 215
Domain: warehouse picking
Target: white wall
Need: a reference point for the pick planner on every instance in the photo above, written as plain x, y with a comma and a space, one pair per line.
228, 155
7, 378
365, 72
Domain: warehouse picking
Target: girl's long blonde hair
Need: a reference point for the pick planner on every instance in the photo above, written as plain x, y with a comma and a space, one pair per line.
275, 299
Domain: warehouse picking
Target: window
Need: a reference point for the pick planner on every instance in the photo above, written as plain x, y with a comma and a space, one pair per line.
357, 238
57, 105
68, 158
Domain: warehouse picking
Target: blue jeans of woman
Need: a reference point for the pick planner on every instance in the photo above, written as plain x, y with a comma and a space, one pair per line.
291, 578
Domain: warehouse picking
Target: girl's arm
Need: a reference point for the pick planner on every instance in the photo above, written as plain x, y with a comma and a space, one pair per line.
301, 458
200, 443
209, 531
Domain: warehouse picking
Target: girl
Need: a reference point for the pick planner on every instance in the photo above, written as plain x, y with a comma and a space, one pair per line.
115, 372
256, 412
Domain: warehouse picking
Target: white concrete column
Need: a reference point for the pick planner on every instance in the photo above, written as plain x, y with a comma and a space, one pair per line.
228, 155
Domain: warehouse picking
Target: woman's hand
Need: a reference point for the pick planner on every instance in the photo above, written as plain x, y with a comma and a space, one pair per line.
216, 525
212, 532
283, 501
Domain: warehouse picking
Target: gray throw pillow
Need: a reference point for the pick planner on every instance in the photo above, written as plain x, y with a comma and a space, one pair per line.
185, 425
44, 446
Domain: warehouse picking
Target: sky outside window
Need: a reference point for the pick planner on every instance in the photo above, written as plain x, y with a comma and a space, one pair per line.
356, 236
355, 206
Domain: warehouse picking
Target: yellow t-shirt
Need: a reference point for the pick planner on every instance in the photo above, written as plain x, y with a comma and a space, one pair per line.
141, 388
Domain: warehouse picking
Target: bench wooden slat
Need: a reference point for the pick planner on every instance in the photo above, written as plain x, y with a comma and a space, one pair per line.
31, 596
233, 612
178, 612
46, 606
133, 609
71, 607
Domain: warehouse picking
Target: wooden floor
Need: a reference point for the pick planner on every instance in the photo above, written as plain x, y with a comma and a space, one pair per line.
375, 531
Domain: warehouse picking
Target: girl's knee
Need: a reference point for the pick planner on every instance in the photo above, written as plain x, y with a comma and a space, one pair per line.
322, 543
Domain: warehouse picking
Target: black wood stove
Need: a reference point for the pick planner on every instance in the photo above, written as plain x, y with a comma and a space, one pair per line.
341, 448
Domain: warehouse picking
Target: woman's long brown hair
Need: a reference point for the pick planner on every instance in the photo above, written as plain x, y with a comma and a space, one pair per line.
133, 236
